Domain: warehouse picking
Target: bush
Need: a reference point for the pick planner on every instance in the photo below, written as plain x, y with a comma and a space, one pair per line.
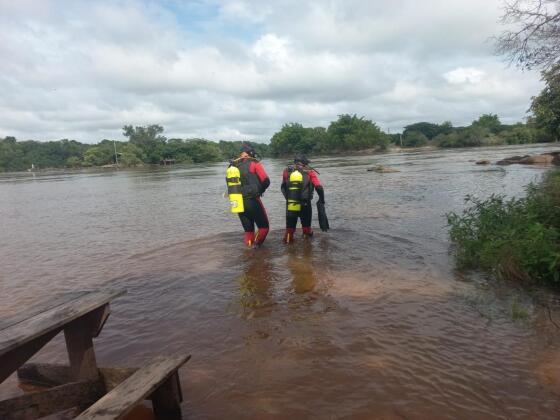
414, 139
515, 239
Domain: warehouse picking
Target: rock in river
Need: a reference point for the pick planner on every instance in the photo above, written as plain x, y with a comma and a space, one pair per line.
382, 169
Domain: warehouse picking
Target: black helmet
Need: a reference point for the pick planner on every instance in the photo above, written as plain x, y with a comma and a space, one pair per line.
247, 148
301, 159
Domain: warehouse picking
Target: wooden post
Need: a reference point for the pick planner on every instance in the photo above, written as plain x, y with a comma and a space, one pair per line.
79, 343
166, 400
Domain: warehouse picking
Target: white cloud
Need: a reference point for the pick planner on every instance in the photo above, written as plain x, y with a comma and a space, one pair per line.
241, 69
464, 75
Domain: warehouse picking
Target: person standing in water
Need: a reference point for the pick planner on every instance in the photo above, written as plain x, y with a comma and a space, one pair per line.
298, 183
253, 182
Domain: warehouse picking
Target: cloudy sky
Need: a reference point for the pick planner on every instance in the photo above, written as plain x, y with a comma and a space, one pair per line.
240, 69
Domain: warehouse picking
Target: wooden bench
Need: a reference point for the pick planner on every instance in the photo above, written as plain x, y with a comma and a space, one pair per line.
81, 315
157, 381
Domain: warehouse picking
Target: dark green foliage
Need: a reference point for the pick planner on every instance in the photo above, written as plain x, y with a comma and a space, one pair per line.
488, 131
193, 150
146, 145
472, 136
514, 239
429, 130
352, 133
345, 134
292, 138
546, 105
17, 156
490, 122
414, 139
521, 133
149, 139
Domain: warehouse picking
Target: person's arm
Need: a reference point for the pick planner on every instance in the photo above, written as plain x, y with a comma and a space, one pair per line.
263, 177
317, 184
284, 187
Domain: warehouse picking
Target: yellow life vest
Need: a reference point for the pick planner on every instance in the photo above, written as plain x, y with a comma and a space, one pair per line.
295, 186
233, 180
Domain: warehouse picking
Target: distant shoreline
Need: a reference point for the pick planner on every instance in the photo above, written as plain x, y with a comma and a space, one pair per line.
364, 152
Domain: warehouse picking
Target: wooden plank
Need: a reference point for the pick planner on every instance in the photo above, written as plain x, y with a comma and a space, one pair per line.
49, 374
42, 305
135, 389
52, 319
44, 403
13, 359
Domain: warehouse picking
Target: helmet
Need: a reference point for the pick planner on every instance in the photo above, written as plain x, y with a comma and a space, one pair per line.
302, 159
247, 148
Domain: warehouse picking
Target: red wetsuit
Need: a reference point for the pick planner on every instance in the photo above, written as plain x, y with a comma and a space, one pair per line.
255, 213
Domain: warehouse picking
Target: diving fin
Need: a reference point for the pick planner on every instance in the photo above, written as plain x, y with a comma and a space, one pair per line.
322, 214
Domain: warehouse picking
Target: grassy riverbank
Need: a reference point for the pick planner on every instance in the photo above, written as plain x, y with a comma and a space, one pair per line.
515, 239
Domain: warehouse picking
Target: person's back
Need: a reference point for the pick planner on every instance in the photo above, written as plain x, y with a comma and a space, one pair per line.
299, 181
254, 182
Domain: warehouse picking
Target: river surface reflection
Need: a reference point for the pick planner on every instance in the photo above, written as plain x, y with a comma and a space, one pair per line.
368, 321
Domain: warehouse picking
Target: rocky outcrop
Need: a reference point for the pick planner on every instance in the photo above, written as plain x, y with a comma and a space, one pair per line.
542, 159
539, 159
511, 160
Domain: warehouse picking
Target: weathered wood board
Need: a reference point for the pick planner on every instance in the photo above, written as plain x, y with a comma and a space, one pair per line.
139, 386
26, 330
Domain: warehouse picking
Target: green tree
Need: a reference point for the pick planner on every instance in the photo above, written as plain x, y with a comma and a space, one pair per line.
130, 154
149, 139
352, 133
292, 138
446, 127
546, 105
520, 134
98, 156
11, 155
414, 139
490, 122
74, 162
429, 130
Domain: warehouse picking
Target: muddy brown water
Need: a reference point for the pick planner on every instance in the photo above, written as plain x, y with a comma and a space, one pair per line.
368, 321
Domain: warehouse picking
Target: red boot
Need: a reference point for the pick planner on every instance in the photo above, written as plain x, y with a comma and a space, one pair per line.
260, 236
249, 238
307, 232
289, 236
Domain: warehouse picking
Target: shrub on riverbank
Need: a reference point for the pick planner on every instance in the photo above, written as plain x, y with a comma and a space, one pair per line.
516, 239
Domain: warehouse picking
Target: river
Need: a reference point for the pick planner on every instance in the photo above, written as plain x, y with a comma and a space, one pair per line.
369, 320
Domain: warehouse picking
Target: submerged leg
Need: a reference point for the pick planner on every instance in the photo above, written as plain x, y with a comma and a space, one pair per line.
249, 238
261, 220
248, 226
289, 235
306, 214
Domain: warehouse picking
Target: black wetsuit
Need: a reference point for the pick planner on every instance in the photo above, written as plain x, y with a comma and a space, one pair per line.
254, 181
310, 183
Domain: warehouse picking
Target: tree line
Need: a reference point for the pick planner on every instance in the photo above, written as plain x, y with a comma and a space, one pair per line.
145, 145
